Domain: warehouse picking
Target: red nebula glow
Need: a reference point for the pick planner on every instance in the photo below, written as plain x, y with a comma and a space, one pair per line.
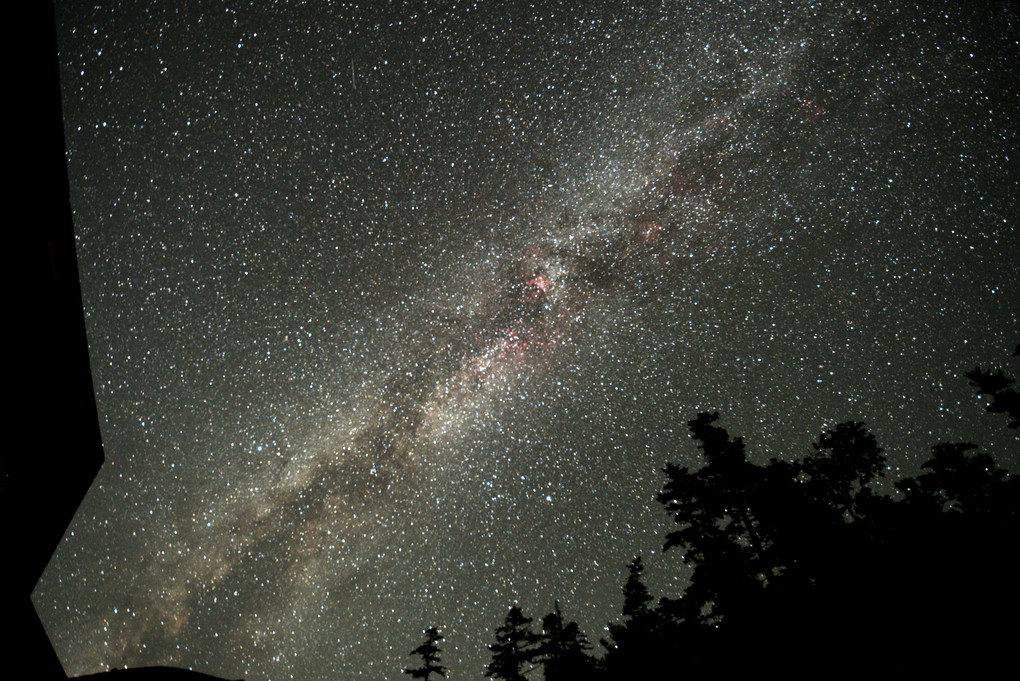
536, 287
648, 231
513, 343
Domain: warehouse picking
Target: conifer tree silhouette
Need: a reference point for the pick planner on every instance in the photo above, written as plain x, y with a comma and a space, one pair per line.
635, 594
429, 653
639, 646
563, 649
516, 648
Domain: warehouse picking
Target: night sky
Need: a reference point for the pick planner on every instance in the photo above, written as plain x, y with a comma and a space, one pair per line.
397, 310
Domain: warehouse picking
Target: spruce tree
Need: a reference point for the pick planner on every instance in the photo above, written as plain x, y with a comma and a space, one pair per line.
635, 594
515, 649
429, 653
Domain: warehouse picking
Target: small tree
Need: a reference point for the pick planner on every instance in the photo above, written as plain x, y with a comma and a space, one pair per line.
635, 594
429, 653
515, 648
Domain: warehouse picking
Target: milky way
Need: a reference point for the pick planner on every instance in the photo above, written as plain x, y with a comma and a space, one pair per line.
395, 314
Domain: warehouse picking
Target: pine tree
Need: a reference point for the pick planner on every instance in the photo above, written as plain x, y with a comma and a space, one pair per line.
515, 649
429, 653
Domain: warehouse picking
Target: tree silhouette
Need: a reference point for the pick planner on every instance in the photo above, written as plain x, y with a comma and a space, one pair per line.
800, 564
429, 653
516, 648
639, 646
563, 648
772, 548
635, 594
1005, 399
846, 459
715, 508
957, 482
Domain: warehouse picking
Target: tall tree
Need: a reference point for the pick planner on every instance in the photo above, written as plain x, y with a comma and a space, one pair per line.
846, 459
563, 649
516, 648
715, 507
429, 653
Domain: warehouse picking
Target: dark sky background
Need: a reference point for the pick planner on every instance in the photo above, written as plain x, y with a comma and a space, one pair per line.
396, 310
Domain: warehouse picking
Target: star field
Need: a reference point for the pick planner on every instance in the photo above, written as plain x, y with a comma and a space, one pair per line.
397, 310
